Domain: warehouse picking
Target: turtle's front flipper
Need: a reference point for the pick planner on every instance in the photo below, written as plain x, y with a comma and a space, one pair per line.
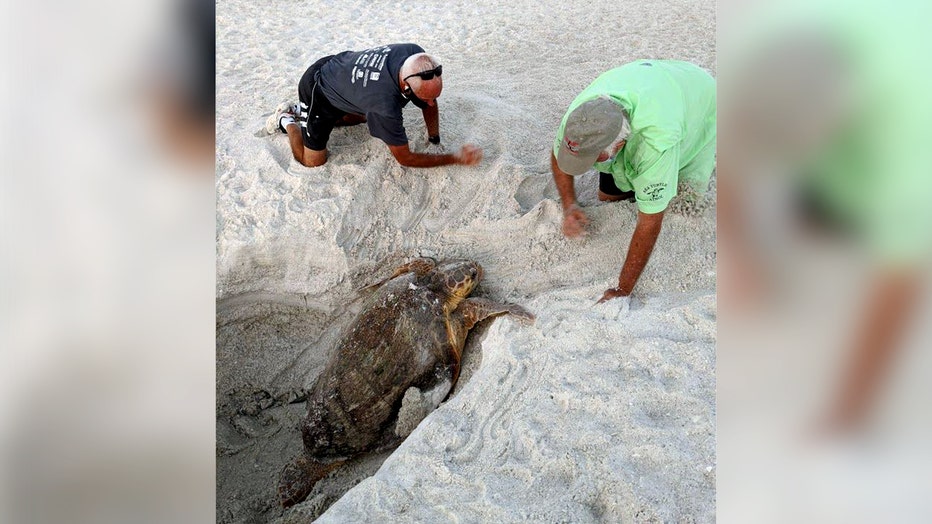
298, 478
420, 266
472, 311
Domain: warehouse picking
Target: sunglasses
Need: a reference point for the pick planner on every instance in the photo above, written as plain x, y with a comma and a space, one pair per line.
427, 75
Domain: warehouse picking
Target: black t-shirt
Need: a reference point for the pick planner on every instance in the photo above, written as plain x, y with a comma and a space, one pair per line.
366, 83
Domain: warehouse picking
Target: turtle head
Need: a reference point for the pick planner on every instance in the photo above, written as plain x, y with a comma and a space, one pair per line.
456, 279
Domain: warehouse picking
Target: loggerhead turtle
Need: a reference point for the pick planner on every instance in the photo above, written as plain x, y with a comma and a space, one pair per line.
410, 334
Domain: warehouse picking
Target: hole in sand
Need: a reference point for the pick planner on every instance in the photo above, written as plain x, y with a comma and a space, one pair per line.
533, 189
270, 350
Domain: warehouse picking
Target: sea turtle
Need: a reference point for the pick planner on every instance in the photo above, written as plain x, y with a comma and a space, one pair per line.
410, 334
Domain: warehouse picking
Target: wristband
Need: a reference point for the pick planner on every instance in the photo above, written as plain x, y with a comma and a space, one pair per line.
434, 139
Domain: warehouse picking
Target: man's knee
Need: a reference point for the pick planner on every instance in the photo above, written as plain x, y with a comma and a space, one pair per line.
625, 195
311, 163
313, 158
605, 197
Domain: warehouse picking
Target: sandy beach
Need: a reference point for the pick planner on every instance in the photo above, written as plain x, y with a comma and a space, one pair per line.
594, 413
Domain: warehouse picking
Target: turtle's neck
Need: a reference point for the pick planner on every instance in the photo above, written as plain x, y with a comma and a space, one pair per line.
451, 302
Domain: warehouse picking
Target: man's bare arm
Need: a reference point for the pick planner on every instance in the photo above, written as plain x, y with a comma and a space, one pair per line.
574, 220
564, 184
432, 119
642, 245
469, 155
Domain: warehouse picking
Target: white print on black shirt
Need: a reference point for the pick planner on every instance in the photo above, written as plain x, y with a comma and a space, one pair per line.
369, 65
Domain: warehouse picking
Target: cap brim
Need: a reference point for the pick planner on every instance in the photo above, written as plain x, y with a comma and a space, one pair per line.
589, 129
574, 165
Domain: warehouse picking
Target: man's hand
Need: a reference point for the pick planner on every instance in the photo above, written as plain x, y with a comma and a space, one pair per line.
612, 309
574, 222
610, 294
469, 155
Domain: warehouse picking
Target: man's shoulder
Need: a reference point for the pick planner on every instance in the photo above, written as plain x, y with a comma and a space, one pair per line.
404, 49
652, 73
409, 47
647, 64
645, 152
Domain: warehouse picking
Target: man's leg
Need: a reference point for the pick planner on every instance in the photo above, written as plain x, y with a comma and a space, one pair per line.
609, 192
303, 154
314, 120
309, 134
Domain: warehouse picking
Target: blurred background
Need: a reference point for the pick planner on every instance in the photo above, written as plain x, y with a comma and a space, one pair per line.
824, 260
107, 283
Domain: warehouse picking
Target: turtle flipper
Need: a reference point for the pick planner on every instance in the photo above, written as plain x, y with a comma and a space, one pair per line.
420, 266
473, 310
298, 478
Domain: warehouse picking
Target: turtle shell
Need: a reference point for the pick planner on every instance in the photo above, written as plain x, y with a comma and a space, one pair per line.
400, 339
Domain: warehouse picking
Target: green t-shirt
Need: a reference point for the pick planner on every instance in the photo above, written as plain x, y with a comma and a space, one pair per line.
672, 111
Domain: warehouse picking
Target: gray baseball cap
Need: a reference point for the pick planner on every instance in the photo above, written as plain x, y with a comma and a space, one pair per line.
589, 129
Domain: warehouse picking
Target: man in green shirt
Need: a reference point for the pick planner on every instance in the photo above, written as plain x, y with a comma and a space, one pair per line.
645, 126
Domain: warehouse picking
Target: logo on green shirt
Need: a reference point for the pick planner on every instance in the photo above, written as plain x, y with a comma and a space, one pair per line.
655, 191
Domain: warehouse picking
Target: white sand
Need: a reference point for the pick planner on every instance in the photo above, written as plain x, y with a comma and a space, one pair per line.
594, 413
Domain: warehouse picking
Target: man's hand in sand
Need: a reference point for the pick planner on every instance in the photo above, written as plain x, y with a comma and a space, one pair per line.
469, 155
613, 309
610, 294
574, 222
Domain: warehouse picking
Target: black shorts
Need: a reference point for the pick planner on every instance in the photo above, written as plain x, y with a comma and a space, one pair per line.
607, 186
317, 116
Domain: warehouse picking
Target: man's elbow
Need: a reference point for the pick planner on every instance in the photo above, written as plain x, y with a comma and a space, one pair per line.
402, 155
405, 161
